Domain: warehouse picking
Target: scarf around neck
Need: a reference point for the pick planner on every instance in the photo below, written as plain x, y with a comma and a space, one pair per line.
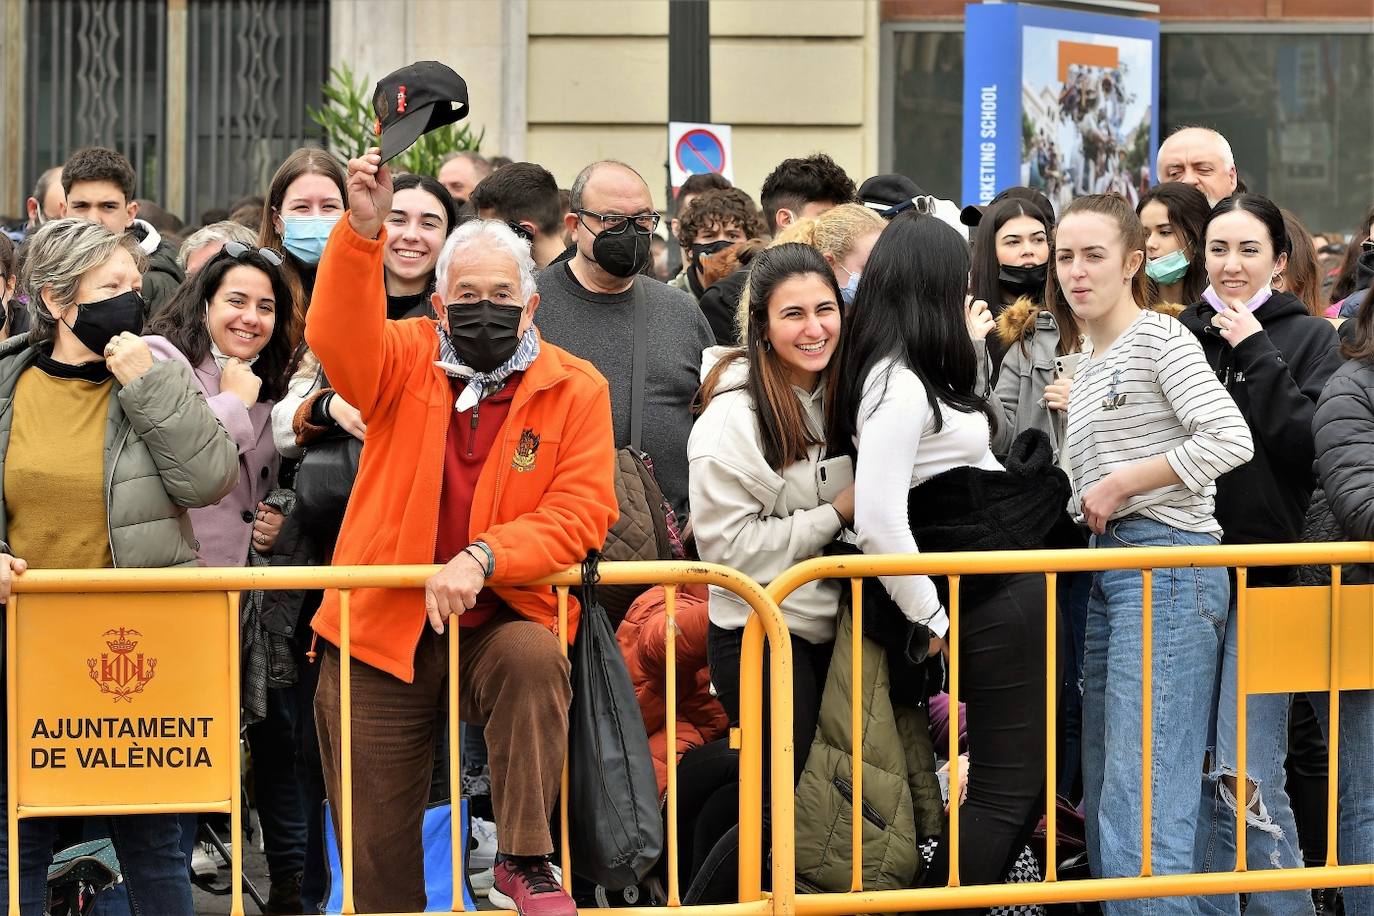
480, 383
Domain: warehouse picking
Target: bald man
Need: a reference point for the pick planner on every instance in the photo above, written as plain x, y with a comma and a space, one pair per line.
589, 303
1202, 158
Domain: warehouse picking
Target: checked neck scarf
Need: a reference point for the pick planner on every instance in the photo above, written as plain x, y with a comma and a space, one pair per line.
479, 383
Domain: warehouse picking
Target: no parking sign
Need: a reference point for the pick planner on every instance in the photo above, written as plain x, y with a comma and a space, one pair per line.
695, 149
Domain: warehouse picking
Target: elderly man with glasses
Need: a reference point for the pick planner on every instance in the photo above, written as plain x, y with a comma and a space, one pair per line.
488, 451
589, 308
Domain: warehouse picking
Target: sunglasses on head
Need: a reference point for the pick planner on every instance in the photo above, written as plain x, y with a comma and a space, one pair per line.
521, 230
237, 250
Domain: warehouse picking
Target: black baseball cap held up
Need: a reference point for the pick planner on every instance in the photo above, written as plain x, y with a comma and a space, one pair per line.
414, 100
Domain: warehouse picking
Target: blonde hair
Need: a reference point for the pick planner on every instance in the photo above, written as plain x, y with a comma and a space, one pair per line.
834, 233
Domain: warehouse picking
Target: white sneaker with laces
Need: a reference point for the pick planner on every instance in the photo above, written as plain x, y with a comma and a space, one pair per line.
206, 860
483, 845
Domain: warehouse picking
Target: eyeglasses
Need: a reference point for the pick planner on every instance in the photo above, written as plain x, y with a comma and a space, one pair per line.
521, 230
615, 223
237, 250
1367, 245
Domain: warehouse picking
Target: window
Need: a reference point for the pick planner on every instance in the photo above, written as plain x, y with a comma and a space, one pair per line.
1295, 105
1295, 108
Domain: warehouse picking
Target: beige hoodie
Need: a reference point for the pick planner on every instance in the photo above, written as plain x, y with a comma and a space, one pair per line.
749, 516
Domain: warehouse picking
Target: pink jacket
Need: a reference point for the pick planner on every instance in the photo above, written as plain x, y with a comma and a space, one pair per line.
224, 531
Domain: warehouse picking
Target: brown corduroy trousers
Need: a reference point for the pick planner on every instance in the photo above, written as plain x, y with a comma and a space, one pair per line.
514, 680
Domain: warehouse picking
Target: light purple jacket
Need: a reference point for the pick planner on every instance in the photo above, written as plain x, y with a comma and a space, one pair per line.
224, 531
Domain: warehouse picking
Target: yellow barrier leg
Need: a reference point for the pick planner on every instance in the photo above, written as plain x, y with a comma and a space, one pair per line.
751, 761
1242, 726
455, 770
670, 711
856, 726
11, 748
954, 731
235, 765
566, 845
1051, 716
1146, 718
1333, 742
345, 751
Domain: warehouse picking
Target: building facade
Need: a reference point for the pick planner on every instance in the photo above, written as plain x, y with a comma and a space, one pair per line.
206, 96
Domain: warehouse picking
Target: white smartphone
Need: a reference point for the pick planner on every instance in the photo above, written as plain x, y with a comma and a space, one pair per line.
1065, 365
834, 476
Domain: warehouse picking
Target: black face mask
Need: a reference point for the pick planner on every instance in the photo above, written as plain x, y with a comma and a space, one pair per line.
484, 334
1023, 281
623, 254
97, 322
694, 256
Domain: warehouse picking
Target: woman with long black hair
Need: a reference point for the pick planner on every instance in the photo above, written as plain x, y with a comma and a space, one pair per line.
1175, 215
1011, 253
906, 406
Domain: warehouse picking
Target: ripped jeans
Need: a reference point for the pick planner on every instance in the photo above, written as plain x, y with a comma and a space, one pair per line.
1189, 616
1271, 838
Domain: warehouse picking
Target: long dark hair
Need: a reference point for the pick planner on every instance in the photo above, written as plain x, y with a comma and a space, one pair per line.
910, 306
983, 280
1262, 209
1348, 274
781, 421
182, 319
1301, 276
1188, 211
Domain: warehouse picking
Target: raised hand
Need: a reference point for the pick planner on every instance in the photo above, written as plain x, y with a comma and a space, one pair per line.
369, 193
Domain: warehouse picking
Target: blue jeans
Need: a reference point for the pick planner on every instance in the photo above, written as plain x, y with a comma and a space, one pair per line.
1189, 618
1271, 839
149, 851
277, 785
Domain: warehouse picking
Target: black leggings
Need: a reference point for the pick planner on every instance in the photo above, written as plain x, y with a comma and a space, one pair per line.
1002, 684
810, 664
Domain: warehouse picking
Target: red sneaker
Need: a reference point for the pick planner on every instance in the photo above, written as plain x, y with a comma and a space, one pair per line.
530, 890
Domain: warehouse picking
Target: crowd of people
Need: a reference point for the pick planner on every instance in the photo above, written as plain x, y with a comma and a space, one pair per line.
482, 371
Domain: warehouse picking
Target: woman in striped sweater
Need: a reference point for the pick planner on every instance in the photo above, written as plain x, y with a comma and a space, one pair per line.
1150, 429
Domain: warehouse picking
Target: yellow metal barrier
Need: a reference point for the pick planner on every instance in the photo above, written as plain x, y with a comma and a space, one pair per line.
162, 673
1291, 639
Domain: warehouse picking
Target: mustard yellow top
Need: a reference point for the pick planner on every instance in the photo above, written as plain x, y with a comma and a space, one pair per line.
55, 472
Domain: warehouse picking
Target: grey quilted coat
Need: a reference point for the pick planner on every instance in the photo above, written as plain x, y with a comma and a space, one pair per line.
165, 452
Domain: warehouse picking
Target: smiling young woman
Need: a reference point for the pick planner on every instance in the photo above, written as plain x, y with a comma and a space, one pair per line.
753, 459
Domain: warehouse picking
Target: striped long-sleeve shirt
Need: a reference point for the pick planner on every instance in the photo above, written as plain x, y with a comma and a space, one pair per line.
1152, 393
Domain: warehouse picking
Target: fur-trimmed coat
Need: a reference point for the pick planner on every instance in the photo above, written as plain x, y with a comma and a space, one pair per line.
1030, 335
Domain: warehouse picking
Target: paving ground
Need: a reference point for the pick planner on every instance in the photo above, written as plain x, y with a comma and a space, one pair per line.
255, 869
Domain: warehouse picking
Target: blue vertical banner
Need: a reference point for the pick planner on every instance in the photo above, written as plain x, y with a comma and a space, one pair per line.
1064, 102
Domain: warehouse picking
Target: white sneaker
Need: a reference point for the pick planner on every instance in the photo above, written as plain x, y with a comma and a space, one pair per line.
206, 861
481, 881
483, 845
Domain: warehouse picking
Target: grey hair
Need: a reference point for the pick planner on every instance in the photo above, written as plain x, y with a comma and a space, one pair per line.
579, 185
488, 233
58, 256
1227, 157
225, 231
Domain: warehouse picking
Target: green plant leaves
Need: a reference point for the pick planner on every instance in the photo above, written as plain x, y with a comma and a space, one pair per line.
347, 120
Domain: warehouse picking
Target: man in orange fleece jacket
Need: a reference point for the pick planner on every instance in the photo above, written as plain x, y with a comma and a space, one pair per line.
488, 451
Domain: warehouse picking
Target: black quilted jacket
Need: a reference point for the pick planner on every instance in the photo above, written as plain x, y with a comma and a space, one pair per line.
1344, 430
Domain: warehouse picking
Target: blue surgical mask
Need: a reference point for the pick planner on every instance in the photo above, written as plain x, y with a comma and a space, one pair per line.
1168, 269
851, 287
304, 236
